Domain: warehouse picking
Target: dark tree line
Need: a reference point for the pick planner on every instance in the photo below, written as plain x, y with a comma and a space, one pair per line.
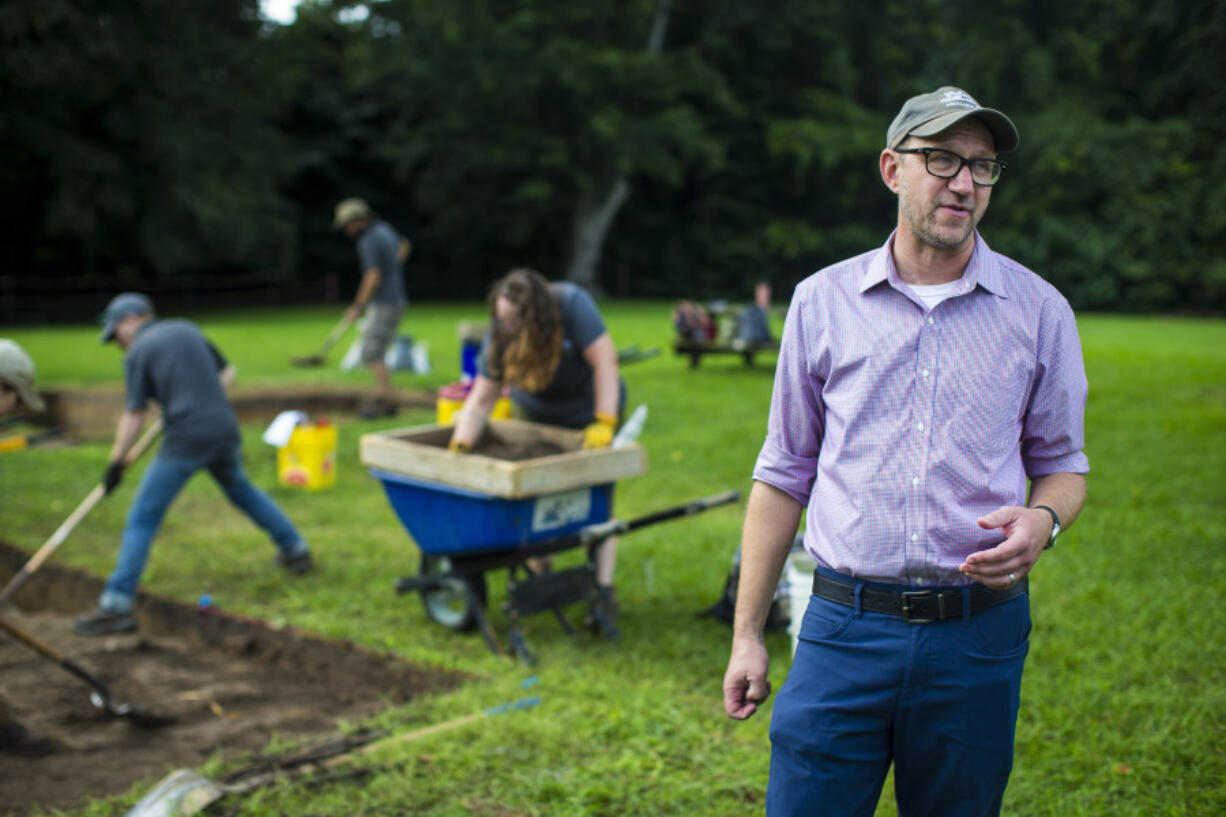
696, 146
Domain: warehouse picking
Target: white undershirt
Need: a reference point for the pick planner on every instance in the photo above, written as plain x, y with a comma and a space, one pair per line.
933, 294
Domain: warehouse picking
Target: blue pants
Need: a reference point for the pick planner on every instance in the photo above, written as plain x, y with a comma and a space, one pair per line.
162, 482
866, 689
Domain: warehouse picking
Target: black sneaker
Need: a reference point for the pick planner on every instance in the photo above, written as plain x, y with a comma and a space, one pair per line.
104, 622
378, 409
15, 739
296, 563
603, 611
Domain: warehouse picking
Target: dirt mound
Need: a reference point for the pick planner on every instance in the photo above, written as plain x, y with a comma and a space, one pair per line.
232, 683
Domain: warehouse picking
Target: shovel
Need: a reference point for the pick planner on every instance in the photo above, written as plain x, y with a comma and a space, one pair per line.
336, 334
61, 533
184, 792
101, 696
20, 441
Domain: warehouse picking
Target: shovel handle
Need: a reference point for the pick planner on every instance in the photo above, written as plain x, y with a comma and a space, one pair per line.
87, 505
425, 731
47, 651
337, 332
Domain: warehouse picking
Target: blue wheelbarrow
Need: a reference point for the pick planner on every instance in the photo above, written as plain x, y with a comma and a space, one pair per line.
465, 534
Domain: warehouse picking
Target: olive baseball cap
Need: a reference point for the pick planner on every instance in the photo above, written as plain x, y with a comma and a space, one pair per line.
120, 307
17, 370
929, 114
349, 210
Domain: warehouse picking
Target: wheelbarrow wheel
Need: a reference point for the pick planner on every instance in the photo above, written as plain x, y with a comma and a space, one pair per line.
454, 601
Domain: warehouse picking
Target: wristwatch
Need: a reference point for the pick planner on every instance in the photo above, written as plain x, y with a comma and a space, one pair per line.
1055, 525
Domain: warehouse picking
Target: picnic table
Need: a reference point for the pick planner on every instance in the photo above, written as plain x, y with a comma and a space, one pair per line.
696, 349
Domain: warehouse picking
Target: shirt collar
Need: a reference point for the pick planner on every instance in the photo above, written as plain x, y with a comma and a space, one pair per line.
982, 270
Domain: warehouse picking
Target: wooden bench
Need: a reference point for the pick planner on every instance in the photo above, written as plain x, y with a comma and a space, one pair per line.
695, 351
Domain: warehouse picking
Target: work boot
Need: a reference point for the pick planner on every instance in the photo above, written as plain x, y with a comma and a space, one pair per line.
602, 614
379, 408
104, 622
297, 563
15, 739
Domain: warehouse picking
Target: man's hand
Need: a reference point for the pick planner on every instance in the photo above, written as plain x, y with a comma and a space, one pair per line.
353, 313
111, 477
600, 433
745, 684
1026, 530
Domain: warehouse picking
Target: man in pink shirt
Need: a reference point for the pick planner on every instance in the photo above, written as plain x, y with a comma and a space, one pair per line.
928, 413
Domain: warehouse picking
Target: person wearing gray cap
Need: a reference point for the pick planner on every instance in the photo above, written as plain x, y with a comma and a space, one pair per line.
381, 256
17, 388
17, 379
928, 417
172, 363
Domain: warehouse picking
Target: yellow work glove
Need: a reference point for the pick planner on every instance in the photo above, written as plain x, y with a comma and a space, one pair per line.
457, 447
600, 433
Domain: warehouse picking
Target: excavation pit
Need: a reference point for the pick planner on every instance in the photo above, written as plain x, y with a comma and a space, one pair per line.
91, 413
233, 684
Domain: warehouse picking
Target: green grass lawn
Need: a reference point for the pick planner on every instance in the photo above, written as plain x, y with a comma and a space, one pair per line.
1124, 698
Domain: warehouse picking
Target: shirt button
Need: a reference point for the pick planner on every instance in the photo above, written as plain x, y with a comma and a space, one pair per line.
924, 373
920, 426
915, 537
930, 319
914, 481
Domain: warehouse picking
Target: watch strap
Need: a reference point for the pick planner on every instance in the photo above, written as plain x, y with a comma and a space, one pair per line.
1055, 523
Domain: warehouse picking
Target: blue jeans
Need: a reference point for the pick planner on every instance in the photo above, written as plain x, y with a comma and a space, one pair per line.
866, 689
162, 482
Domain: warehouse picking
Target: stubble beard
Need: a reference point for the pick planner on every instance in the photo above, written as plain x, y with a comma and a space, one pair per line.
926, 230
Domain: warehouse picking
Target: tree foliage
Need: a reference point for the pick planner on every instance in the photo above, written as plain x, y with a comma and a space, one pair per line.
156, 139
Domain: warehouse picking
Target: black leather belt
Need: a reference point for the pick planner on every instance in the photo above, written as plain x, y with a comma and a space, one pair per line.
914, 606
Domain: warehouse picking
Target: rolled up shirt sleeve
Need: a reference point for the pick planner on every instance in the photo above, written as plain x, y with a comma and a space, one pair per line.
1053, 431
788, 459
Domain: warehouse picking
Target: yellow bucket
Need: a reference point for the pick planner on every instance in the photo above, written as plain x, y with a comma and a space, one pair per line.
309, 460
451, 399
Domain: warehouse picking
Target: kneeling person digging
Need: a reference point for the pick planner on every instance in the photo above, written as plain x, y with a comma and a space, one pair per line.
171, 362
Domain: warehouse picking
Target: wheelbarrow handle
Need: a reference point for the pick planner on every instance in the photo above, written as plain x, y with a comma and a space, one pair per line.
603, 530
476, 562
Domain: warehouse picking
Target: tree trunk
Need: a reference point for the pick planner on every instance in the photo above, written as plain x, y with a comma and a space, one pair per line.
592, 222
594, 214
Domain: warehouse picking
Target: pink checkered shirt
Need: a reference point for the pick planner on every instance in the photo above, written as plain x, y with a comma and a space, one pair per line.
897, 426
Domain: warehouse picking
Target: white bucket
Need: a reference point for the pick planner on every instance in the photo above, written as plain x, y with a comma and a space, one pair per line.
798, 570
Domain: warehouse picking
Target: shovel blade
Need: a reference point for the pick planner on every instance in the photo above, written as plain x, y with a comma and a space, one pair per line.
133, 712
178, 794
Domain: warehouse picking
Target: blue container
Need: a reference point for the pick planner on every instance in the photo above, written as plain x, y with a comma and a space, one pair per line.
444, 519
468, 360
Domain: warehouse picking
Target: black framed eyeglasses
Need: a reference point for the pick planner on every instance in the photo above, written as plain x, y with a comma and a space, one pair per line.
945, 164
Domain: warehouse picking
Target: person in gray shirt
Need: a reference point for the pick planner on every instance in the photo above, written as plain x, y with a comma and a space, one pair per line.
171, 362
381, 255
549, 342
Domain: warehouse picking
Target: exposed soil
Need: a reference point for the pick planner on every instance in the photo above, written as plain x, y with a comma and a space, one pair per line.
92, 412
232, 683
497, 444
516, 450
